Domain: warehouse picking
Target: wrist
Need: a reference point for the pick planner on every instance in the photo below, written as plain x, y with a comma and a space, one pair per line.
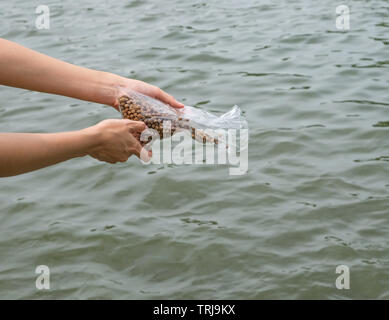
107, 88
91, 138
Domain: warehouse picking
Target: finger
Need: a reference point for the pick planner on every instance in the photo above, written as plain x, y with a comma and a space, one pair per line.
137, 149
136, 135
124, 159
167, 98
135, 126
108, 160
145, 155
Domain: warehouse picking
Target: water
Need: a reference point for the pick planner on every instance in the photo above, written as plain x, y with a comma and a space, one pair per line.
316, 192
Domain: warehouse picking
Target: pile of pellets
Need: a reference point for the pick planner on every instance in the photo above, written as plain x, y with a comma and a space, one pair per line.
139, 109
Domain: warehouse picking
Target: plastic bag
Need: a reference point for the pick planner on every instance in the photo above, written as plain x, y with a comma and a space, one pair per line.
202, 125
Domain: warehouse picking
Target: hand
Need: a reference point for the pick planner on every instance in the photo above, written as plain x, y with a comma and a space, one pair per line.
115, 141
151, 91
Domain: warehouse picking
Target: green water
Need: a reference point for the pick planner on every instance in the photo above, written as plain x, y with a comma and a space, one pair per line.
316, 194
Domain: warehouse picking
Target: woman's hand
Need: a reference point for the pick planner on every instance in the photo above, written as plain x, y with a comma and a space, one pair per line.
115, 141
151, 91
110, 140
24, 68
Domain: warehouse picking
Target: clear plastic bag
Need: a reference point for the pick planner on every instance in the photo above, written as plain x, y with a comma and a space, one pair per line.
202, 125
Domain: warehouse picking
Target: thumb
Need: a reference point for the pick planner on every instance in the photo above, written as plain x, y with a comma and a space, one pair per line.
167, 98
135, 126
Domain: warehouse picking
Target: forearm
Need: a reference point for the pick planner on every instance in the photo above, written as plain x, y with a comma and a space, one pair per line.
24, 152
24, 68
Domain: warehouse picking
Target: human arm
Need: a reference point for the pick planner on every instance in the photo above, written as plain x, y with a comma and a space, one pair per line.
110, 141
25, 68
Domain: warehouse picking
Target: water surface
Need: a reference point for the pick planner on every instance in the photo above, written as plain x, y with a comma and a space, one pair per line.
316, 192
